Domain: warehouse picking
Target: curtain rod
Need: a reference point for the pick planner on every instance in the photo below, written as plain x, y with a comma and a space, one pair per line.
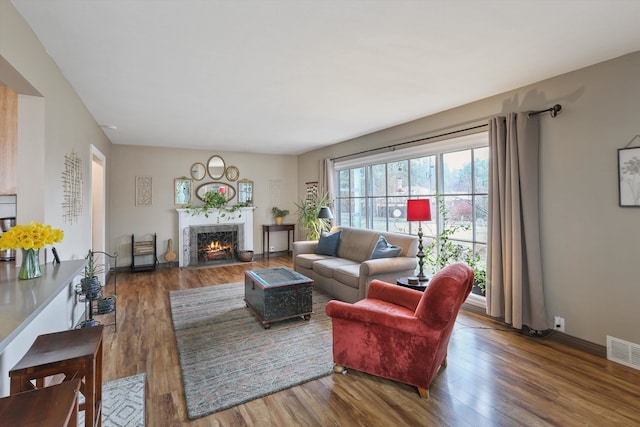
393, 146
553, 111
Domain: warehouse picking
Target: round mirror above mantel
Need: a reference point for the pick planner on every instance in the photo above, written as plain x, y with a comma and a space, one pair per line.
232, 173
198, 171
216, 167
229, 190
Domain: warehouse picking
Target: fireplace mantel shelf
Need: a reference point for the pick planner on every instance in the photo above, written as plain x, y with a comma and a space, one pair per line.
187, 218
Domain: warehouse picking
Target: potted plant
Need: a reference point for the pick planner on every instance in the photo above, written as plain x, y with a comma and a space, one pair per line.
106, 304
479, 268
90, 283
443, 251
87, 323
308, 210
215, 200
279, 214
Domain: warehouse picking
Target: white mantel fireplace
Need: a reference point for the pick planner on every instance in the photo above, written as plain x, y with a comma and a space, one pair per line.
241, 221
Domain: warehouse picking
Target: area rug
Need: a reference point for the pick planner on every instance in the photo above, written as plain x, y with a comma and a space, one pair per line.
228, 358
122, 402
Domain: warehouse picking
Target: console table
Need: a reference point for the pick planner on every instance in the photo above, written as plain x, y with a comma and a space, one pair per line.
269, 228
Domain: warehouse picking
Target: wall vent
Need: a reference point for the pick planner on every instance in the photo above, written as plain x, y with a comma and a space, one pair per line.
624, 352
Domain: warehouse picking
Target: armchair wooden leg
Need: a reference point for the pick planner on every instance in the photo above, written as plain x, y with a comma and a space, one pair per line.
339, 369
424, 393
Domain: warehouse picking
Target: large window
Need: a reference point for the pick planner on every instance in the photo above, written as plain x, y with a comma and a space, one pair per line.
373, 192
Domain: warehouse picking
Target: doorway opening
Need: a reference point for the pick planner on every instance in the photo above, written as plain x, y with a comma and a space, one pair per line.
98, 201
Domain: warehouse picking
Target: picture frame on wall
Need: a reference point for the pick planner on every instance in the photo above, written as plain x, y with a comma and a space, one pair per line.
312, 190
183, 191
629, 176
144, 191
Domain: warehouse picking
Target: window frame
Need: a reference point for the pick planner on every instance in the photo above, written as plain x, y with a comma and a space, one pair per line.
473, 141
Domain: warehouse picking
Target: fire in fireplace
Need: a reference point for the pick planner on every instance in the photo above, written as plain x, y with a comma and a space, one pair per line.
218, 246
213, 244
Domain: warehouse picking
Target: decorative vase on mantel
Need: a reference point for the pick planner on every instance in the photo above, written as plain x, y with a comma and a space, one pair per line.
30, 268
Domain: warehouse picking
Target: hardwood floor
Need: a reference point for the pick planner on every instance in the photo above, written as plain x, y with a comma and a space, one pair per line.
494, 377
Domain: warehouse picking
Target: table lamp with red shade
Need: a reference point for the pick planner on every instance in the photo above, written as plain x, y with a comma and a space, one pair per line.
419, 210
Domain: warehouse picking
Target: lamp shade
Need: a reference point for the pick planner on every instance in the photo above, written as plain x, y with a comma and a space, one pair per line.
418, 210
325, 213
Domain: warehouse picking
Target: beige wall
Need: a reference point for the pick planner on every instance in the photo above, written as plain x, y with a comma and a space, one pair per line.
52, 122
274, 184
590, 245
8, 140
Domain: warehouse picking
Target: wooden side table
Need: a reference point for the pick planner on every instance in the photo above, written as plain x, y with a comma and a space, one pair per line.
420, 286
53, 406
269, 228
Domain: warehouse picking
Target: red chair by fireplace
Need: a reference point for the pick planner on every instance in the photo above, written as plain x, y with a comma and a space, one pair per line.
400, 333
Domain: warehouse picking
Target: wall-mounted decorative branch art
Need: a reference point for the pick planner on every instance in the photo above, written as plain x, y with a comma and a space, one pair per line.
72, 185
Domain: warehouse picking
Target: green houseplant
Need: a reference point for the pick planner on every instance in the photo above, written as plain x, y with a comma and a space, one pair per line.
308, 210
279, 214
106, 304
90, 283
479, 268
442, 251
90, 286
215, 200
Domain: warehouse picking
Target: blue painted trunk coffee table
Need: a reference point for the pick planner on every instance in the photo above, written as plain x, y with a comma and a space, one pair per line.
279, 293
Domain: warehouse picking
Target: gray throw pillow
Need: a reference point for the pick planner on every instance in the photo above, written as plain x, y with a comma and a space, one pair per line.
383, 249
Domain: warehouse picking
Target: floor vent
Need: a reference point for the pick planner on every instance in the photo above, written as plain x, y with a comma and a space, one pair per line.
624, 352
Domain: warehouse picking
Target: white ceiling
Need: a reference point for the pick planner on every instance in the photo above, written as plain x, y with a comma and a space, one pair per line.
289, 76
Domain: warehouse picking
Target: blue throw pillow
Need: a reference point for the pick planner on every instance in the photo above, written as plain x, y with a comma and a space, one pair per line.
384, 250
328, 243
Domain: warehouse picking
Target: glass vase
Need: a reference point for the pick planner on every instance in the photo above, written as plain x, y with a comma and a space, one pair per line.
30, 268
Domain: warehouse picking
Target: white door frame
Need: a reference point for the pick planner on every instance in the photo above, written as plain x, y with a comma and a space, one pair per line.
98, 199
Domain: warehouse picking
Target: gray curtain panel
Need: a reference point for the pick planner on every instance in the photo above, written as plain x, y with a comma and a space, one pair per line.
514, 263
326, 180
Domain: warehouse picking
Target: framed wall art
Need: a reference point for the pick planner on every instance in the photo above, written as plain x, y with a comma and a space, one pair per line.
312, 190
629, 177
144, 191
183, 191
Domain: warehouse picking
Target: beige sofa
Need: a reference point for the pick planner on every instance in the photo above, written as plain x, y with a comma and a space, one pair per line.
347, 275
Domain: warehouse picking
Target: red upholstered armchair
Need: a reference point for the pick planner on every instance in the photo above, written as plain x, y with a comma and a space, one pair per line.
399, 333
